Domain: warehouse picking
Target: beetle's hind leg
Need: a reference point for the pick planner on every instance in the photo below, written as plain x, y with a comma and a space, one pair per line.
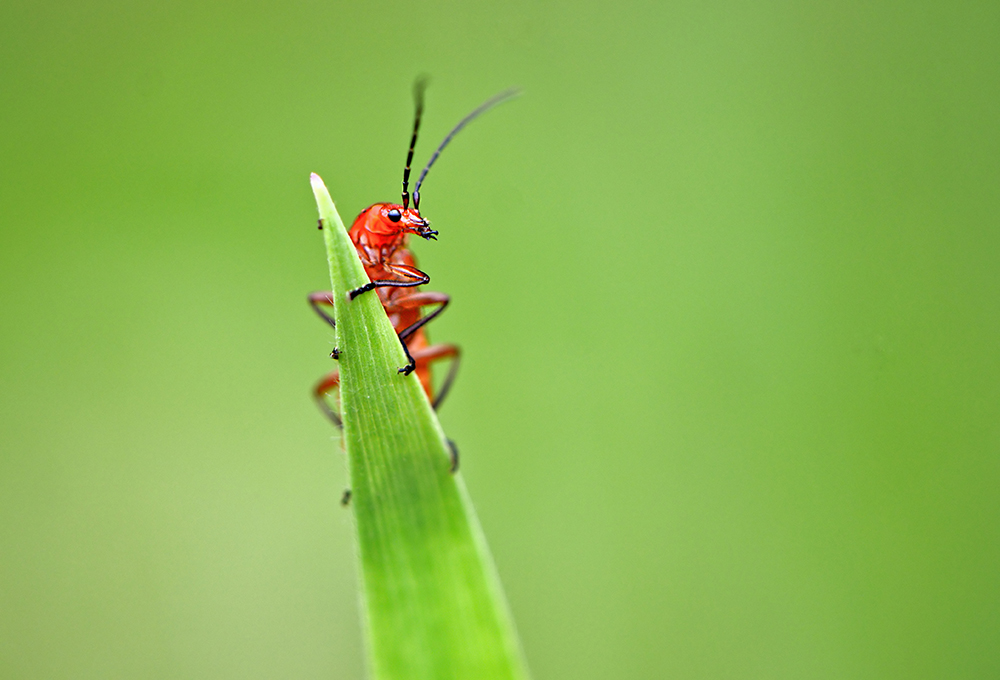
327, 385
427, 355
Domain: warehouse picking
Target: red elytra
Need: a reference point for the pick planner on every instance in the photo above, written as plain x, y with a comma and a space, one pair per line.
380, 234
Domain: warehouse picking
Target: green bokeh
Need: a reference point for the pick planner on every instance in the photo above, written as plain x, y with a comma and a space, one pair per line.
725, 277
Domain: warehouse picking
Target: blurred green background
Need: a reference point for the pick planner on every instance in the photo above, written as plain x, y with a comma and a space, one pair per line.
725, 277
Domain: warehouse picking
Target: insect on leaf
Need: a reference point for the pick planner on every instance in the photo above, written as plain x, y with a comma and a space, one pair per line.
432, 605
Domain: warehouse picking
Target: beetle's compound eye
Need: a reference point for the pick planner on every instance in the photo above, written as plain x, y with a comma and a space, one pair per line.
393, 215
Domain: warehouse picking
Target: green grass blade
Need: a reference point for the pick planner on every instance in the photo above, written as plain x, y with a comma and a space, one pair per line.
432, 603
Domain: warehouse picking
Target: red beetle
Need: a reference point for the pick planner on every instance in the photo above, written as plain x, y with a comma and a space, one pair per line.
380, 234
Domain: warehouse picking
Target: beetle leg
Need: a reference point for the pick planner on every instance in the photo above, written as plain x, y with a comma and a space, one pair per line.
411, 363
325, 386
415, 276
415, 301
435, 353
324, 298
328, 384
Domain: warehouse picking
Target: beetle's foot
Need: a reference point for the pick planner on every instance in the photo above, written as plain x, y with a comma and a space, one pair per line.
358, 291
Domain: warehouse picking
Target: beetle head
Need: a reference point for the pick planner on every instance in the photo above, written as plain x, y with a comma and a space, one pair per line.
405, 220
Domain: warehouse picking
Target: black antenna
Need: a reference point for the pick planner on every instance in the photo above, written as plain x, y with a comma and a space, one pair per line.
483, 108
418, 98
